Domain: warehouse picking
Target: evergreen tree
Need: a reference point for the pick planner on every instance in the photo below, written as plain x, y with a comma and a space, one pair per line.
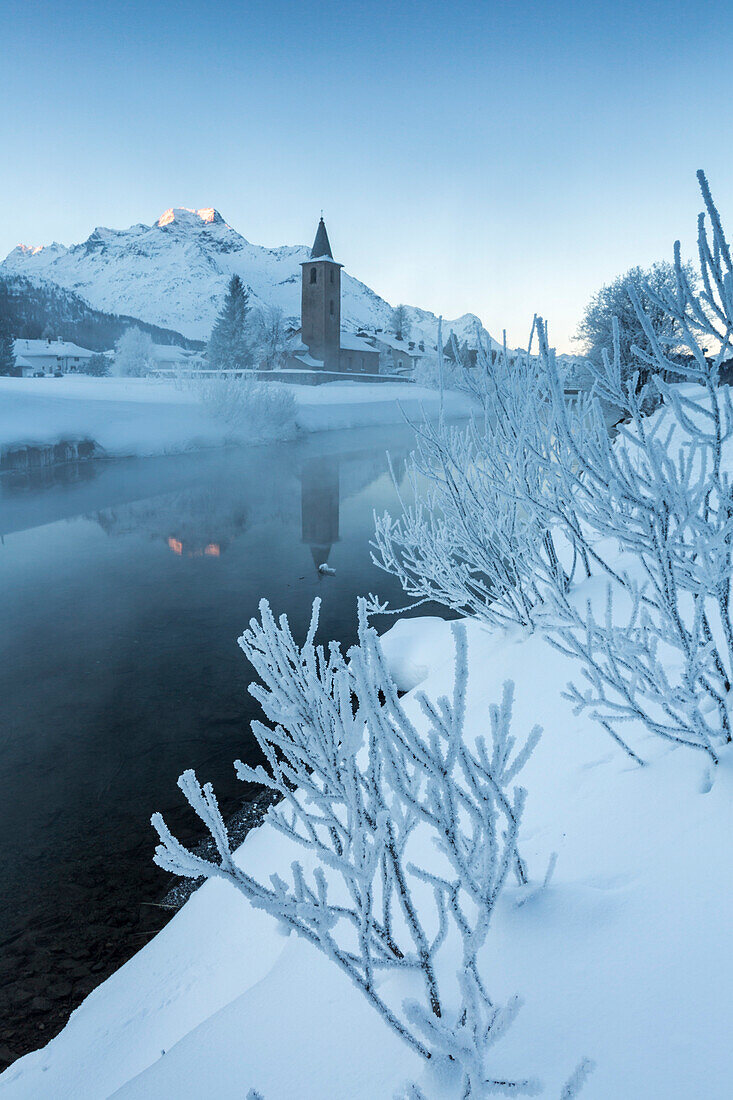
98, 365
7, 353
229, 345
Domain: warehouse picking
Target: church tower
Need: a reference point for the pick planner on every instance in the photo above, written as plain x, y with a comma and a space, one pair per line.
320, 303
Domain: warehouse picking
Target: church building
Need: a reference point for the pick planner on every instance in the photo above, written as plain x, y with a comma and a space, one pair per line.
323, 346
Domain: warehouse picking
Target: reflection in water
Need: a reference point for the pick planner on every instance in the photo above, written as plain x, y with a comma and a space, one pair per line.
203, 522
122, 593
319, 507
211, 550
36, 478
194, 523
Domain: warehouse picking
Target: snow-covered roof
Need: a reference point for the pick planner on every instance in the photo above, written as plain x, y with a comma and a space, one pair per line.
308, 361
169, 353
399, 345
318, 259
349, 342
294, 343
62, 349
321, 245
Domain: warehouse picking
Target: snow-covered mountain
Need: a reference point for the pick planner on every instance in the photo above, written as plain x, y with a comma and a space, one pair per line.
174, 273
30, 308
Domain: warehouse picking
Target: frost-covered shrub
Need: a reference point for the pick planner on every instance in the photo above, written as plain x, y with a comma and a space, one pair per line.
482, 538
518, 502
461, 542
369, 797
439, 371
662, 492
434, 370
264, 410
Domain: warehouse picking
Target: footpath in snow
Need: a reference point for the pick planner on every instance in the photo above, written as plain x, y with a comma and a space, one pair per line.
625, 958
139, 416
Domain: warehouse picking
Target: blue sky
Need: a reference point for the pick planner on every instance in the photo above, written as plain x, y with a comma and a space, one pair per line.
502, 158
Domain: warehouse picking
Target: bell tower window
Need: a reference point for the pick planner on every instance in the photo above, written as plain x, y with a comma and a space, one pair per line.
330, 307
314, 275
332, 275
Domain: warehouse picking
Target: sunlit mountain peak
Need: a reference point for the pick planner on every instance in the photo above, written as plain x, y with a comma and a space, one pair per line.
207, 214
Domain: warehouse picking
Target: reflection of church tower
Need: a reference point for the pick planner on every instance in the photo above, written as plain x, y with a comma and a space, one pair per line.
320, 303
319, 498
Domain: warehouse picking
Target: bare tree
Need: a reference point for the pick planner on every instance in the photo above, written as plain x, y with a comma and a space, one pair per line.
269, 337
400, 322
595, 330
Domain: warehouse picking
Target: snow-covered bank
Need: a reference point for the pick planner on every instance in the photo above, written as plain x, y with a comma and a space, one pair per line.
133, 416
361, 404
624, 958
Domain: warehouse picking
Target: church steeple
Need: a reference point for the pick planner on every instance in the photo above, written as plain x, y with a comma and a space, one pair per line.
321, 245
320, 303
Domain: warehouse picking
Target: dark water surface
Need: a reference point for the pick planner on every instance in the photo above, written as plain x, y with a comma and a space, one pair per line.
123, 589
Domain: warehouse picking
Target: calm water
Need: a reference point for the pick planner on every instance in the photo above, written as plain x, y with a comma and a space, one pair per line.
123, 589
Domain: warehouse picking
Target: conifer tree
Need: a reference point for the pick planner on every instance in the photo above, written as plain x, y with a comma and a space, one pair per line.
97, 365
7, 353
229, 344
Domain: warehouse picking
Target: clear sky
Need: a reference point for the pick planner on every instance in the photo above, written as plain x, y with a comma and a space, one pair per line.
502, 158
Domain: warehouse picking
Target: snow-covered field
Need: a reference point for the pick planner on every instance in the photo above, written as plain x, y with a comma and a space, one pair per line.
625, 958
134, 416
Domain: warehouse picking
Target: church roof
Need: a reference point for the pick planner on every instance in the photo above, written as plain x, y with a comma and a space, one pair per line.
349, 342
321, 245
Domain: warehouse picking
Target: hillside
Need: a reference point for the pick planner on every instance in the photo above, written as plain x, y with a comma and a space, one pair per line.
174, 273
31, 307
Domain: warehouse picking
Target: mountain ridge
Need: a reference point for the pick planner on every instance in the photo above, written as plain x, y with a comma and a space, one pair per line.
174, 273
30, 308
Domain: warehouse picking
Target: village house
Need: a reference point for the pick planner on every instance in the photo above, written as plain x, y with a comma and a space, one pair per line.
169, 356
49, 356
398, 356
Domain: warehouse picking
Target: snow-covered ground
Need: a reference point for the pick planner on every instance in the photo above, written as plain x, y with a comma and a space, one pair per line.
624, 959
139, 416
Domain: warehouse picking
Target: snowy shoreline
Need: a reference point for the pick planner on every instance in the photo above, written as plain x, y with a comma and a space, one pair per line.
133, 416
607, 959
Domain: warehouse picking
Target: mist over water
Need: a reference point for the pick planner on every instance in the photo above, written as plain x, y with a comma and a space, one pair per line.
123, 589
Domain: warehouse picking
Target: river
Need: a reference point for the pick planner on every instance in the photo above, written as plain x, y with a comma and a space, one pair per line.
123, 588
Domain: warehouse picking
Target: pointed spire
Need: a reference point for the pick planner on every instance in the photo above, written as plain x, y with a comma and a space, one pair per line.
320, 554
321, 245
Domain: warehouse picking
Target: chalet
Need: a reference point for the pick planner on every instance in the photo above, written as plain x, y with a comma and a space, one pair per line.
50, 356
